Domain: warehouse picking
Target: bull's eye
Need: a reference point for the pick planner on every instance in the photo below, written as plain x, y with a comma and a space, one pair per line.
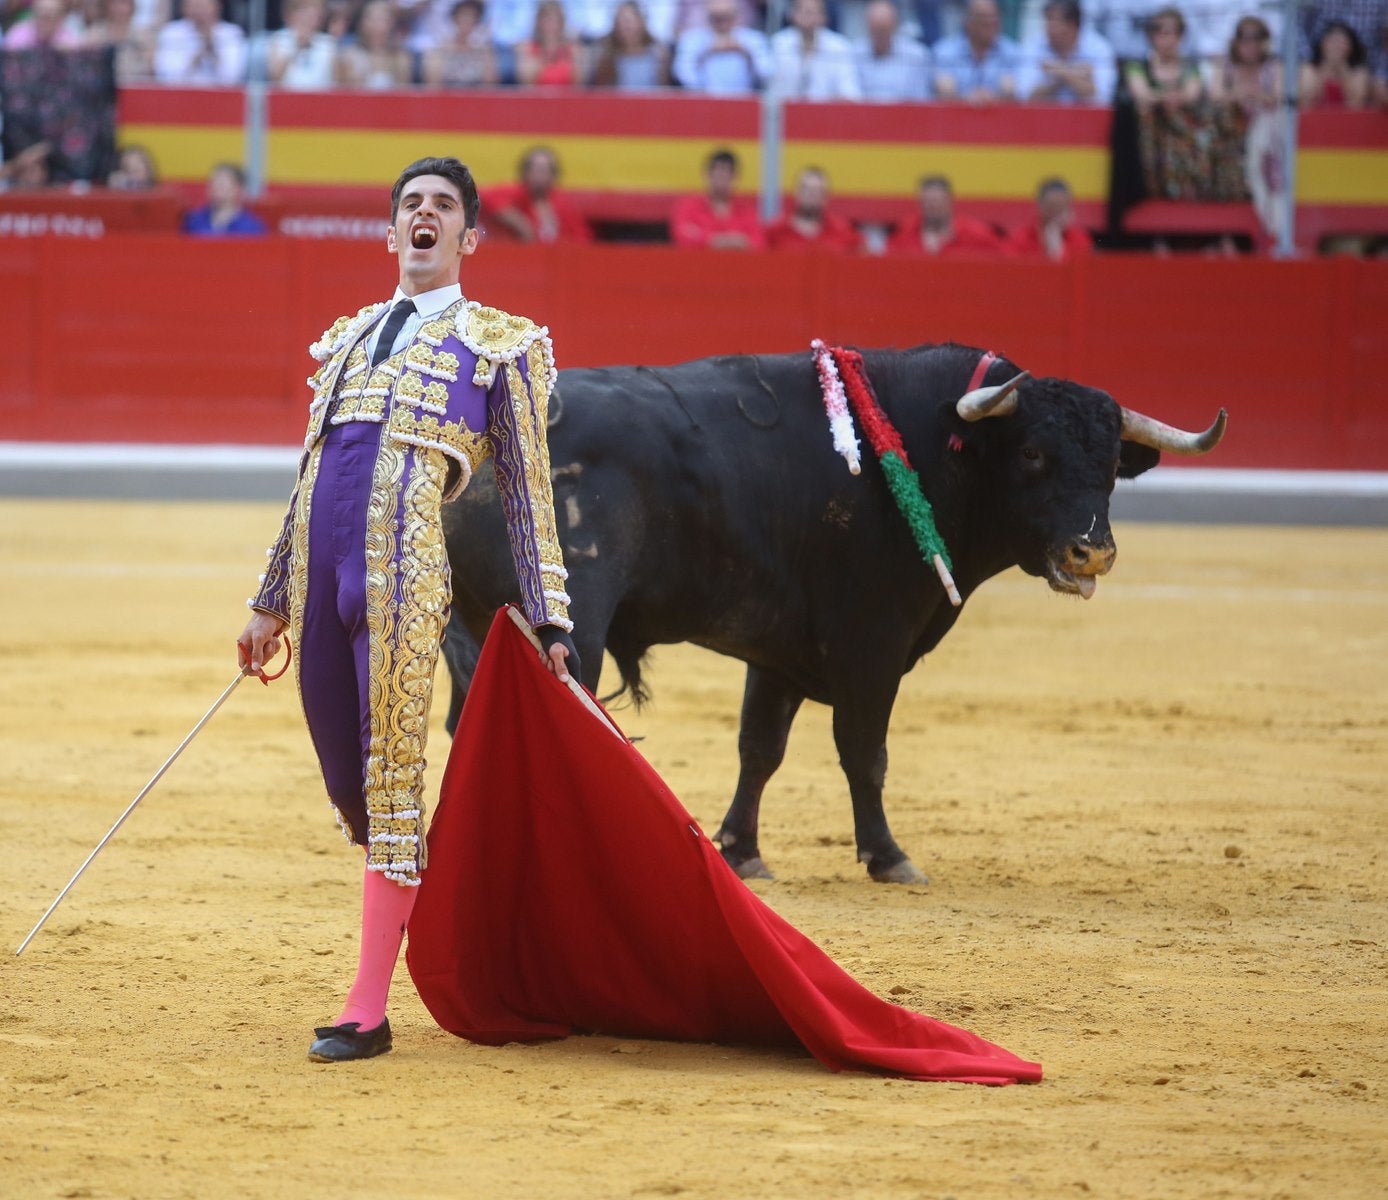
1032, 456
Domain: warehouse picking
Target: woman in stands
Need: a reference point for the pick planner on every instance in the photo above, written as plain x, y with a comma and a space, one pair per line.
551, 57
1337, 75
1250, 76
1186, 153
466, 60
376, 60
630, 57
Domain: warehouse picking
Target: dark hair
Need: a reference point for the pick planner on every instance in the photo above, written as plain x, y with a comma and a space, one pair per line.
939, 181
1054, 184
526, 159
476, 5
1358, 55
721, 155
1166, 14
1069, 10
1258, 25
453, 171
231, 169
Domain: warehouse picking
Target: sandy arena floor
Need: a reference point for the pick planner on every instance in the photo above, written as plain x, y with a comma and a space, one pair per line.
1154, 823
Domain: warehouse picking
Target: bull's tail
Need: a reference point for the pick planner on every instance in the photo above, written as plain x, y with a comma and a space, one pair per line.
629, 660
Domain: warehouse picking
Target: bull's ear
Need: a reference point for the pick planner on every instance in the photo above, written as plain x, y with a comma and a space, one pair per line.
1134, 458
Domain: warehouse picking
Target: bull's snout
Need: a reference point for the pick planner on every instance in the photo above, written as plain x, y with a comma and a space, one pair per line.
1075, 568
1083, 557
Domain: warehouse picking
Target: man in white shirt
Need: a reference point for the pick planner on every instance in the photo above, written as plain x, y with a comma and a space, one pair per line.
201, 48
1069, 64
811, 61
891, 66
722, 58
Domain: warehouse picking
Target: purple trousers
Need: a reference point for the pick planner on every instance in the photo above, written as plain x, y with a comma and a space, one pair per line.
334, 646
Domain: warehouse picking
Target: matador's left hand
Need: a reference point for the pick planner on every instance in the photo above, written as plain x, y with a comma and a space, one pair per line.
561, 656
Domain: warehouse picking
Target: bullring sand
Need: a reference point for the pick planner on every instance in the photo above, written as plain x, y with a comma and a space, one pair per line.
1154, 825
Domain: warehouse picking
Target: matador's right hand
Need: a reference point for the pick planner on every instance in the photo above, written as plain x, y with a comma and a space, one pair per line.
259, 642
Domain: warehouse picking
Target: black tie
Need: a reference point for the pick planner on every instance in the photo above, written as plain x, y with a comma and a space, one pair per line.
401, 313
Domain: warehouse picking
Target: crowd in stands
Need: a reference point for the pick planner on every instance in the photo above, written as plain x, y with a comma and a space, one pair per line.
722, 220
1196, 87
979, 51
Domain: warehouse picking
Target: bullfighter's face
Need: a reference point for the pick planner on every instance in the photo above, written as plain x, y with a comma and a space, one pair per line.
430, 235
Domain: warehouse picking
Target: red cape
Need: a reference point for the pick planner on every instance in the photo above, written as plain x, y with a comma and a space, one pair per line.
568, 890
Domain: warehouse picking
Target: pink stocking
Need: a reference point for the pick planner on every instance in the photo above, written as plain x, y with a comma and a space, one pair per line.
385, 911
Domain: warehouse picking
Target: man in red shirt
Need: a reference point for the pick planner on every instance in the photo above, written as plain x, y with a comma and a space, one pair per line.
808, 222
718, 218
937, 231
534, 210
1053, 234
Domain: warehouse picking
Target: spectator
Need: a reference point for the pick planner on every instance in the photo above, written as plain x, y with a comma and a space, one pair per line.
135, 171
1368, 19
808, 223
718, 218
201, 48
937, 231
551, 57
1053, 234
1176, 130
28, 170
45, 26
134, 46
1250, 75
722, 58
302, 56
1337, 75
225, 213
810, 61
1069, 64
891, 66
630, 57
1121, 23
683, 15
979, 65
1164, 79
1381, 74
466, 58
375, 61
533, 209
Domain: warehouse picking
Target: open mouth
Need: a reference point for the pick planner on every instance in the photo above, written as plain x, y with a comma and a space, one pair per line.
422, 237
1072, 585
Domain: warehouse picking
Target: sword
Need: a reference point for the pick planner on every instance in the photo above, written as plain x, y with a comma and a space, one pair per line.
159, 774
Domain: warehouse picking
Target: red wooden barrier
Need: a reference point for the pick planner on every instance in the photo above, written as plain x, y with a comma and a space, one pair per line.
163, 339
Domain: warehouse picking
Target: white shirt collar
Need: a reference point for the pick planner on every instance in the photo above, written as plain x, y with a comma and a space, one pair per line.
430, 304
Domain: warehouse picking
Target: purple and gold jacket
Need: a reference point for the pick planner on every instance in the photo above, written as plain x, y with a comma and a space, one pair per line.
473, 382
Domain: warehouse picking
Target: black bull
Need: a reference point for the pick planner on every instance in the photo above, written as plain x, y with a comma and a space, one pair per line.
705, 503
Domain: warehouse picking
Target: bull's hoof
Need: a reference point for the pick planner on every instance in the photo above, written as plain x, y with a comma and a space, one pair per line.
750, 868
903, 872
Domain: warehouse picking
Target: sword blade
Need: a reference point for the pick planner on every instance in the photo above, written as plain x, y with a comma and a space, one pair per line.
110, 833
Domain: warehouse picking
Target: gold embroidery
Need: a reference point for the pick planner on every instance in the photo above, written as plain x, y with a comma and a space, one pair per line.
531, 413
453, 439
390, 824
495, 337
440, 364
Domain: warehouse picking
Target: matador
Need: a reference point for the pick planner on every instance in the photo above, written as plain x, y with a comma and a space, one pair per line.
409, 397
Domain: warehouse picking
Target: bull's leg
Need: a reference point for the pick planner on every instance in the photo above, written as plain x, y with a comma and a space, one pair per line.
860, 733
460, 651
768, 708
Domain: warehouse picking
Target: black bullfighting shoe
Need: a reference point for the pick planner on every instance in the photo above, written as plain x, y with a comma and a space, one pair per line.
343, 1043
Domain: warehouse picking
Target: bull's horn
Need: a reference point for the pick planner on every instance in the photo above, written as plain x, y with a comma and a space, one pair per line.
990, 401
1149, 432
